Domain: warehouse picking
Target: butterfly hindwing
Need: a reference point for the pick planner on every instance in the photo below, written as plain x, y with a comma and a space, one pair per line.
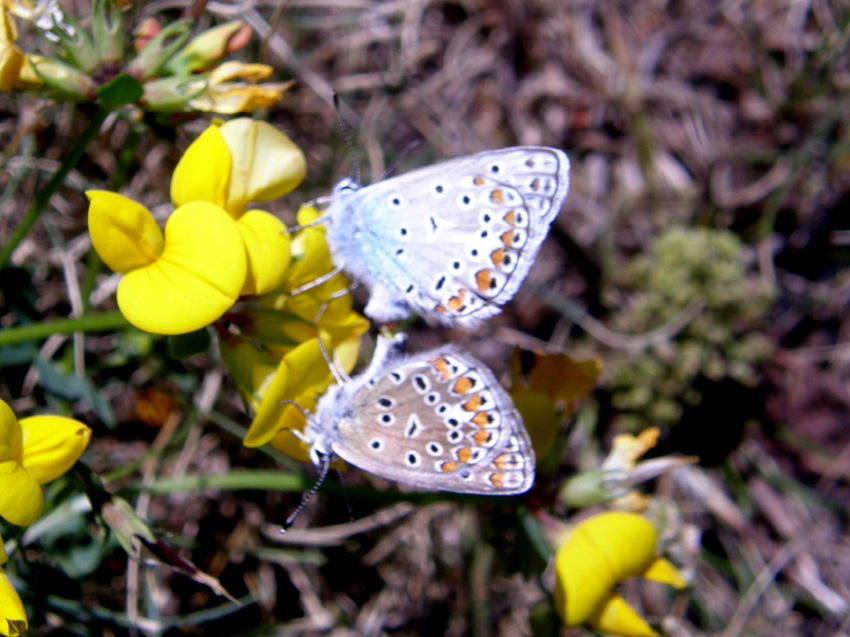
440, 421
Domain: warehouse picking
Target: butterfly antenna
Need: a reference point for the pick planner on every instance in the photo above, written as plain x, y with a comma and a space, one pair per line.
345, 494
326, 465
337, 372
316, 222
404, 153
346, 133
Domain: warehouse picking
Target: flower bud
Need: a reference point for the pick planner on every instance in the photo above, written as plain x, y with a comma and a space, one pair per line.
209, 47
159, 50
67, 82
108, 31
172, 94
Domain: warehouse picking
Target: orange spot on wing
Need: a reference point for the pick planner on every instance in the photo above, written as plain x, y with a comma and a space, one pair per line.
502, 461
442, 367
482, 438
473, 403
440, 309
464, 454
498, 480
497, 196
510, 218
481, 419
478, 181
508, 238
455, 303
498, 257
484, 280
446, 467
462, 386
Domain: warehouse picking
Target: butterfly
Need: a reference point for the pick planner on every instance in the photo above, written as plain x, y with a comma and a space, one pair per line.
438, 420
451, 242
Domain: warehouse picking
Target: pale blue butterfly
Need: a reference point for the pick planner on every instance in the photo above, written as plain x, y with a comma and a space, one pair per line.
451, 242
438, 420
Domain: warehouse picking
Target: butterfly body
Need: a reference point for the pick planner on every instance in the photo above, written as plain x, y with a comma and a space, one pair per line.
451, 242
437, 420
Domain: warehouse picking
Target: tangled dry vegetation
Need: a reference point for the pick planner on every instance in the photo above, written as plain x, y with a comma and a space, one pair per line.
702, 254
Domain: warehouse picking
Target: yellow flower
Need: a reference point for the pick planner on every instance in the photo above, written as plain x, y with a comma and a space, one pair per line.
233, 164
13, 619
549, 396
601, 552
233, 87
620, 473
213, 250
276, 356
16, 73
33, 452
173, 284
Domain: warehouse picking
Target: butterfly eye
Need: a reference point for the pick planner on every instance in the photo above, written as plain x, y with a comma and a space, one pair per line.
347, 185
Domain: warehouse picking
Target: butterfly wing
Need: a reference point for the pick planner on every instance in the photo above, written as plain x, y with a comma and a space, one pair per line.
438, 421
452, 241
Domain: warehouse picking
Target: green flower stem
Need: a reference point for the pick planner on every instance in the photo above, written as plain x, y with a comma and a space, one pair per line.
43, 198
264, 480
235, 480
107, 322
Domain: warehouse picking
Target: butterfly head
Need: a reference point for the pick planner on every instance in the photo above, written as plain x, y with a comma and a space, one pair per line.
346, 187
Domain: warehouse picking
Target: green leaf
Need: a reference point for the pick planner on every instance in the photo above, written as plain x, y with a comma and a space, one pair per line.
185, 345
121, 90
72, 387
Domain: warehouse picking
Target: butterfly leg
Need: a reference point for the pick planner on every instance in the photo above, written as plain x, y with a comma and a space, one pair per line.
333, 297
327, 276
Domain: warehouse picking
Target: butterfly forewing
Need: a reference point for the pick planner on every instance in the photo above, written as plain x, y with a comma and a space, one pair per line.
454, 241
439, 421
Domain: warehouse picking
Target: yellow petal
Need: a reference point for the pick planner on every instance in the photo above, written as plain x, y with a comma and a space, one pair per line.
600, 553
52, 444
663, 571
242, 98
20, 496
627, 449
197, 278
8, 30
616, 617
312, 260
203, 173
302, 371
11, 435
123, 232
291, 419
232, 70
251, 366
11, 61
266, 163
13, 618
267, 246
